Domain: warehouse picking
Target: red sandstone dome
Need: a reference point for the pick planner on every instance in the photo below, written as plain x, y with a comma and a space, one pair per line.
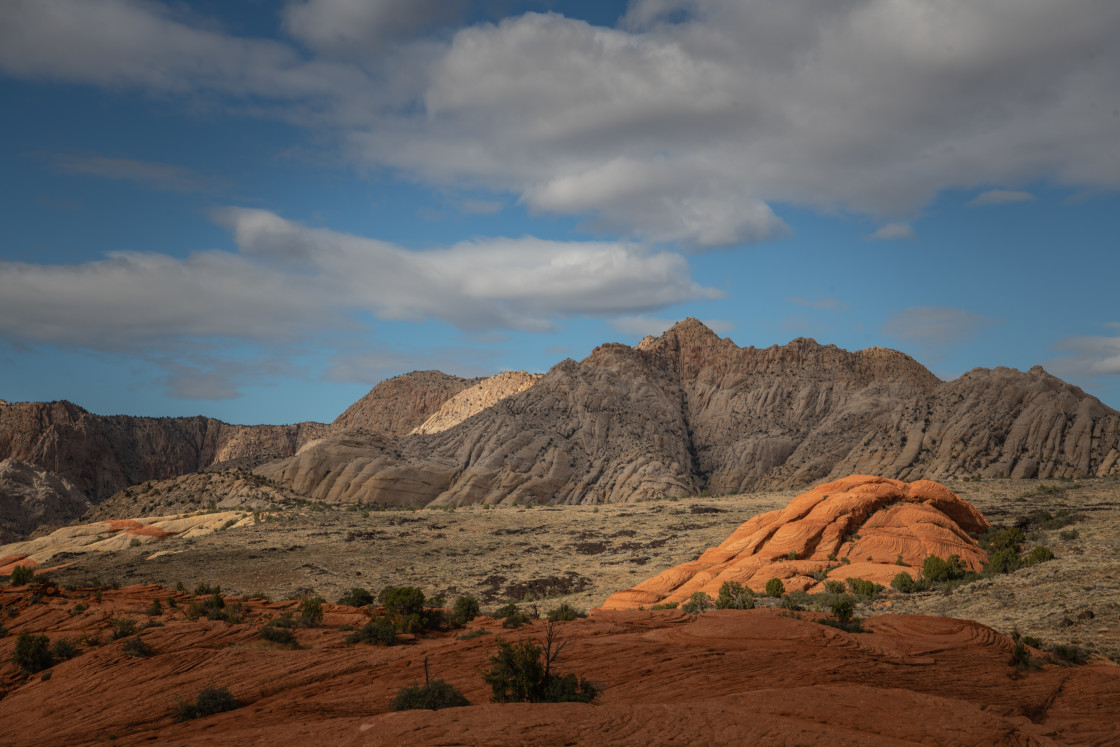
857, 527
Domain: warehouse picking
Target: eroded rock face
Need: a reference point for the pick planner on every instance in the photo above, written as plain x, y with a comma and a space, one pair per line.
30, 496
858, 527
103, 454
689, 411
475, 399
396, 406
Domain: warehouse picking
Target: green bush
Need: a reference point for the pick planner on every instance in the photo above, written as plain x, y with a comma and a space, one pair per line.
794, 601
122, 627
401, 600
431, 696
515, 620
466, 609
862, 587
210, 700
278, 633
698, 603
1069, 655
565, 613
938, 570
378, 633
775, 587
155, 609
63, 649
137, 647
356, 597
33, 652
1040, 554
843, 610
21, 575
734, 596
665, 606
311, 612
1069, 535
1004, 539
205, 588
1004, 560
521, 673
834, 587
903, 582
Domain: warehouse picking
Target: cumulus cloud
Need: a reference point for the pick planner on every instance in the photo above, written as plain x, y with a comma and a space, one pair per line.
1089, 357
893, 232
1001, 197
693, 121
289, 281
935, 326
163, 176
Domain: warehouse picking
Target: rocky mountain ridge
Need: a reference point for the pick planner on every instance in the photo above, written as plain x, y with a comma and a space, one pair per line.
689, 411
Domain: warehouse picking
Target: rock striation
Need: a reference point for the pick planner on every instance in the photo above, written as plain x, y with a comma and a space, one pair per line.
858, 527
103, 454
31, 496
396, 406
689, 411
473, 400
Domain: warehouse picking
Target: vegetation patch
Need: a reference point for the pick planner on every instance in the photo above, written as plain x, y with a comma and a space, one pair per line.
209, 701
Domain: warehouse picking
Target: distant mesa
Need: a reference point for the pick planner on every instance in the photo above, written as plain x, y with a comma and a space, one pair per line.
858, 527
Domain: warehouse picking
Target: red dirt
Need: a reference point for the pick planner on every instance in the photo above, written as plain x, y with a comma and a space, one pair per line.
857, 527
724, 677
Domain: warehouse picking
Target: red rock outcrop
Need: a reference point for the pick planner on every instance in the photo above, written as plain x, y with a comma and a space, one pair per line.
726, 677
858, 527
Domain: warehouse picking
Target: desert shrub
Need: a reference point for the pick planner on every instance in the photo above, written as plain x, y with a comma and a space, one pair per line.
277, 634
794, 601
356, 597
134, 542
378, 633
432, 696
1068, 655
521, 673
122, 627
1004, 560
210, 700
137, 647
775, 587
21, 575
665, 606
698, 603
63, 649
834, 587
1003, 539
79, 608
33, 652
155, 609
565, 613
1020, 656
903, 582
862, 587
466, 609
734, 596
1069, 535
235, 612
515, 620
936, 569
843, 610
1040, 554
204, 588
401, 600
471, 634
311, 612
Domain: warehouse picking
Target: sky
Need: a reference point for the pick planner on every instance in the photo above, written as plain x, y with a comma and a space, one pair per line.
256, 210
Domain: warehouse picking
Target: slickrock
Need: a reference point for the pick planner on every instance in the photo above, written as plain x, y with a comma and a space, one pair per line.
109, 536
31, 496
726, 677
858, 527
689, 411
396, 406
477, 398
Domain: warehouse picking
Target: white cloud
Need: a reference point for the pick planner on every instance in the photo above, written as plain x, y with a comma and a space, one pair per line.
893, 232
163, 176
480, 207
1001, 197
935, 326
689, 123
289, 281
644, 326
1089, 357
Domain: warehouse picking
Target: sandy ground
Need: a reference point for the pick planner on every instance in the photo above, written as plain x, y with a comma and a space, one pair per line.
582, 554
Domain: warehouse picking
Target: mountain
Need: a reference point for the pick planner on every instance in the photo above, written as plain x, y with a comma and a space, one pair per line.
396, 406
689, 411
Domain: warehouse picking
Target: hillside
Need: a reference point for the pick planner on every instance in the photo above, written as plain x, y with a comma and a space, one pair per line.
689, 412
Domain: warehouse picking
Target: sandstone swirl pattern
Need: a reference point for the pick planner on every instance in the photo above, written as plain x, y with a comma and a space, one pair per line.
858, 527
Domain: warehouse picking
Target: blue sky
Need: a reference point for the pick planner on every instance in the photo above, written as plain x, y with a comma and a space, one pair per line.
256, 211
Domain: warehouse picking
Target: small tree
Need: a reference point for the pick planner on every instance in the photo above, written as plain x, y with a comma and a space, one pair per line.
356, 597
21, 575
210, 700
522, 673
775, 587
843, 611
698, 603
311, 612
734, 596
33, 652
466, 609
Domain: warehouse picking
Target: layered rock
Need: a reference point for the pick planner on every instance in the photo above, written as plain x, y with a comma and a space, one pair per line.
396, 406
475, 399
858, 527
103, 454
689, 411
31, 496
